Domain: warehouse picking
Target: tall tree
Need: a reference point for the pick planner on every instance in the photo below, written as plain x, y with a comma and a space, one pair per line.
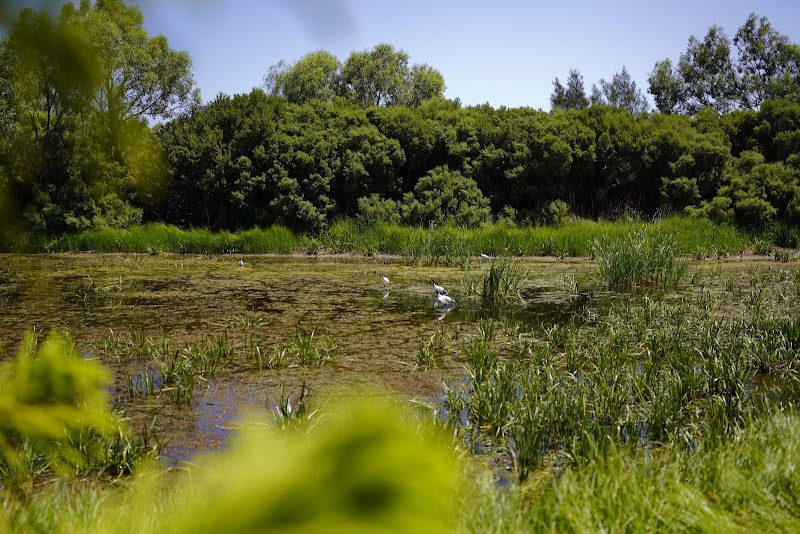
377, 77
621, 92
766, 65
767, 60
426, 83
314, 76
382, 77
136, 76
571, 97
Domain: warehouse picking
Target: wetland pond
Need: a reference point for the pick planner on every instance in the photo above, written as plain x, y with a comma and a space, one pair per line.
112, 300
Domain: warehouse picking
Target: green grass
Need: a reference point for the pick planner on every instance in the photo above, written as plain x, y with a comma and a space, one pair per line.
154, 238
741, 486
503, 281
429, 246
639, 259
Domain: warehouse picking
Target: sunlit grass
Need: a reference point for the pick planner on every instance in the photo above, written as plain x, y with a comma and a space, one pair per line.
448, 245
639, 259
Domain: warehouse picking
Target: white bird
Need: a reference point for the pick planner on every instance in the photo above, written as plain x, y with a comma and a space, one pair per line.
438, 290
443, 301
241, 262
385, 280
485, 256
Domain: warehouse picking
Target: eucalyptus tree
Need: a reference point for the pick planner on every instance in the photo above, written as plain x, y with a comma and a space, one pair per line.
382, 77
765, 65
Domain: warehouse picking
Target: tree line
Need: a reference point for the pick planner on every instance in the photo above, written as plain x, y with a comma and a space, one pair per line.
373, 137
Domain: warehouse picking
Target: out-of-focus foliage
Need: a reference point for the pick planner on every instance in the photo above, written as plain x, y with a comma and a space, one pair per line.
75, 92
52, 404
361, 468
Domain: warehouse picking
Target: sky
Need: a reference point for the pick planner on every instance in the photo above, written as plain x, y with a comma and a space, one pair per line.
504, 53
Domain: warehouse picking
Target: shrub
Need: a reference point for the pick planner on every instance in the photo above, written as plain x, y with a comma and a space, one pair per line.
444, 196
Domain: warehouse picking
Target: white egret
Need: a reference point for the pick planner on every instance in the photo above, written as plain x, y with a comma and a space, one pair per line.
438, 290
443, 301
385, 280
241, 262
485, 256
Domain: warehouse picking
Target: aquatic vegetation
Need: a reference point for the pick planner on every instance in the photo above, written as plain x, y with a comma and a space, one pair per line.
262, 356
55, 417
308, 347
432, 348
503, 281
649, 383
639, 259
177, 377
294, 417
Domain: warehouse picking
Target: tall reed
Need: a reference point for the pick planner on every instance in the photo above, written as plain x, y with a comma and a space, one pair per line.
639, 259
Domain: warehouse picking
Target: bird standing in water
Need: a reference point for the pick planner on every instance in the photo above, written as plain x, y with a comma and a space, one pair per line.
437, 289
443, 301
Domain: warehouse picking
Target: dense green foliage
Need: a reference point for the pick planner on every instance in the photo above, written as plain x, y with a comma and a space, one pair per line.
76, 150
256, 160
371, 138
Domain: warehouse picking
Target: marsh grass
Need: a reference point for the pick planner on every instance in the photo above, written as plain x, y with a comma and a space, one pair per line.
432, 348
261, 356
639, 259
309, 347
142, 384
783, 256
208, 355
503, 281
177, 376
155, 238
297, 417
422, 246
649, 373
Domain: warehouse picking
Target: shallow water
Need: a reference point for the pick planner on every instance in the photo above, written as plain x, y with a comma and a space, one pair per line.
378, 329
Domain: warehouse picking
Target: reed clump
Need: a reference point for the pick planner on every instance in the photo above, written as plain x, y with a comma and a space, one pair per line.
639, 259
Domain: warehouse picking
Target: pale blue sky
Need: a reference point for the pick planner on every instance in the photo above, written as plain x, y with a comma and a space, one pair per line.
506, 53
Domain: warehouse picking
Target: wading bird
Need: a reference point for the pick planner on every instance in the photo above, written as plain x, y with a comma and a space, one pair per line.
443, 301
385, 280
241, 262
438, 290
